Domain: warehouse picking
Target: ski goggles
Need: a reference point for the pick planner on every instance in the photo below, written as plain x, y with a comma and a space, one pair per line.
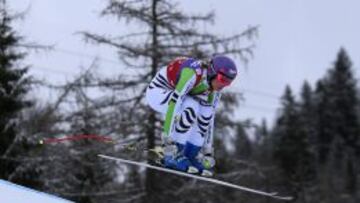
223, 80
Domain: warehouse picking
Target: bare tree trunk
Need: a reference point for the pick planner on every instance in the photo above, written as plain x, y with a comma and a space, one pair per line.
154, 67
152, 186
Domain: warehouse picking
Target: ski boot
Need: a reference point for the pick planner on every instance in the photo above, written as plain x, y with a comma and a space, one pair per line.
200, 164
175, 158
185, 158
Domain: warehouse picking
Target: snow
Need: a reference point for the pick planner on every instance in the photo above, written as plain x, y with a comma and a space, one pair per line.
12, 193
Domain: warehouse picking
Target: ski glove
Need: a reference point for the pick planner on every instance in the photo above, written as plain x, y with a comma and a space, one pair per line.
208, 161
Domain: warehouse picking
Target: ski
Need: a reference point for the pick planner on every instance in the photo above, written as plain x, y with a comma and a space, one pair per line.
206, 179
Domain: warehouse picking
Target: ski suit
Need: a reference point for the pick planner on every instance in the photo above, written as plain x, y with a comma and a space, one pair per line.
181, 93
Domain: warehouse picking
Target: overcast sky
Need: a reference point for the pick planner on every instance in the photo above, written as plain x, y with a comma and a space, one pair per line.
298, 40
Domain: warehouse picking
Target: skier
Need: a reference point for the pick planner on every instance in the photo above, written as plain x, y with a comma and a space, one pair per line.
186, 93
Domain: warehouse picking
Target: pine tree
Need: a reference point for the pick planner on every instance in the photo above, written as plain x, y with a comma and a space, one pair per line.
307, 109
307, 122
324, 137
342, 85
292, 150
264, 145
14, 85
339, 125
284, 130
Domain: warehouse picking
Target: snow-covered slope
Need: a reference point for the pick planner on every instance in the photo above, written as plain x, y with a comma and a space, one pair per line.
12, 193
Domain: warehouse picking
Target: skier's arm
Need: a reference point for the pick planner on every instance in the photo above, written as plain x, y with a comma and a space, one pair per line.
186, 82
209, 140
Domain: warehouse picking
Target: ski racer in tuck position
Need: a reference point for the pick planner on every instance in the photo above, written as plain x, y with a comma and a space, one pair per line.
186, 93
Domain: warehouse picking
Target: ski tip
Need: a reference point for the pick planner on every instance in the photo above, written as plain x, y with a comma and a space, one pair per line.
277, 196
284, 198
